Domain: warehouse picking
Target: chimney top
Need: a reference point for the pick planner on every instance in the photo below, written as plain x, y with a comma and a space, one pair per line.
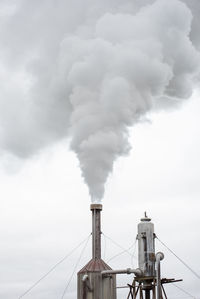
95, 206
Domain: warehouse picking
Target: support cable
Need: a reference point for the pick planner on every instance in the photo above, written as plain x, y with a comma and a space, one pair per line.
105, 247
188, 267
70, 279
124, 250
184, 291
120, 253
53, 268
133, 254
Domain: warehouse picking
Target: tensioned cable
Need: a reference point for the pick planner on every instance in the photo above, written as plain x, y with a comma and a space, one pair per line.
70, 279
105, 245
120, 253
184, 291
133, 254
124, 250
53, 268
189, 268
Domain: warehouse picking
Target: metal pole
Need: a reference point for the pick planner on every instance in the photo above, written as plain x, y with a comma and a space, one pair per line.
96, 230
159, 257
147, 294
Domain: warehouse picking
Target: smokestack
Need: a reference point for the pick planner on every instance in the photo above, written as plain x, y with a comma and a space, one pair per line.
96, 230
91, 283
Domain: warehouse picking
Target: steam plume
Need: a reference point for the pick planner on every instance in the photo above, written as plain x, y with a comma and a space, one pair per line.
88, 71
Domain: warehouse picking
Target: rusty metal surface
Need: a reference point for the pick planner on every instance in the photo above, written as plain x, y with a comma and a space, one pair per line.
146, 246
96, 230
95, 265
96, 206
101, 287
170, 280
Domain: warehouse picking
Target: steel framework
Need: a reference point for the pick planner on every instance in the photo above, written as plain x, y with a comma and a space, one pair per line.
145, 288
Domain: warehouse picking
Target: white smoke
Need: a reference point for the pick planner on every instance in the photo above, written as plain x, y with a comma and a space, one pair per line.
88, 71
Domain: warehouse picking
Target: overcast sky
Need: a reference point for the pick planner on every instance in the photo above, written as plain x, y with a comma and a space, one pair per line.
45, 207
147, 144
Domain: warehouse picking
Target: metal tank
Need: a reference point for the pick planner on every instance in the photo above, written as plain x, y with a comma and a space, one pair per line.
146, 246
91, 283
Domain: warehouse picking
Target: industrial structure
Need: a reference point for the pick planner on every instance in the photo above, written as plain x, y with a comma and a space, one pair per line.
96, 280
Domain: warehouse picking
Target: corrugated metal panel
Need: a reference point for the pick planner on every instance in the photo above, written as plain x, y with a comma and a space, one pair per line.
95, 265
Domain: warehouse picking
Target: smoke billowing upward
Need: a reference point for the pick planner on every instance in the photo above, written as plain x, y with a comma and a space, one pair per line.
88, 71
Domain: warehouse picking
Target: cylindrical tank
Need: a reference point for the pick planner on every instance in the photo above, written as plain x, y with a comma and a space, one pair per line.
146, 246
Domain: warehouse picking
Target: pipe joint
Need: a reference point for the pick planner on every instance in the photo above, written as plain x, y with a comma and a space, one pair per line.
159, 256
86, 281
85, 277
137, 272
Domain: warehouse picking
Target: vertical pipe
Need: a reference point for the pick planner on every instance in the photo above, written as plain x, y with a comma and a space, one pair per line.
147, 294
96, 230
159, 257
158, 280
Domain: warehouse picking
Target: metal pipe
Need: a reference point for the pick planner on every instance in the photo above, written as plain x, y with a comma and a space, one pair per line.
137, 272
85, 277
86, 282
147, 294
96, 230
159, 257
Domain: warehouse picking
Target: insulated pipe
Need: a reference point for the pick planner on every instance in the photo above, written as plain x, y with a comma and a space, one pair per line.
137, 272
96, 230
159, 257
86, 282
85, 278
